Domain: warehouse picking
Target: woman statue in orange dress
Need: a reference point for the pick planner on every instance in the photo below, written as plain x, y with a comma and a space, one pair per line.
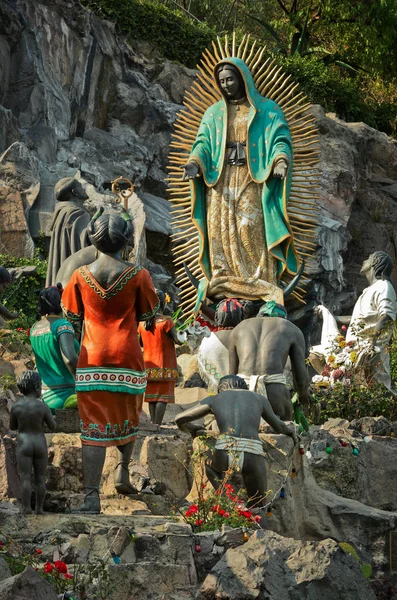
158, 337
109, 297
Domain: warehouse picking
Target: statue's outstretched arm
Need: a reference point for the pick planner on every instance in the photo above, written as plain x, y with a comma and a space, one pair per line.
192, 414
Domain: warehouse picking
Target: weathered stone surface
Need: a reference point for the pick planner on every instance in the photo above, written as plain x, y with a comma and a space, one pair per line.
19, 187
357, 477
166, 458
9, 479
27, 586
4, 569
310, 512
271, 567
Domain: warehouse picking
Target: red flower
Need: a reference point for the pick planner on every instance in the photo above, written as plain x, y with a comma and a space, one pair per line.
215, 508
28, 332
337, 374
193, 508
247, 514
68, 576
39, 551
199, 521
203, 486
20, 329
226, 515
60, 566
344, 328
221, 512
48, 567
258, 518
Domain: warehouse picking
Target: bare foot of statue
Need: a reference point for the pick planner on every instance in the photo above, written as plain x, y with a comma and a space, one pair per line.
39, 511
122, 480
27, 511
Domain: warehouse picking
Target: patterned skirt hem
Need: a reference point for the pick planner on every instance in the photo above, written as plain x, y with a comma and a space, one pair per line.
159, 398
121, 441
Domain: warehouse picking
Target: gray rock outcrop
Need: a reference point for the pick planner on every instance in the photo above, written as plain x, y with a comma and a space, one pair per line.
27, 586
272, 567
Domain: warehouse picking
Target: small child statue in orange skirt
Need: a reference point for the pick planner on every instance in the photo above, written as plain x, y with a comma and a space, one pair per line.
158, 338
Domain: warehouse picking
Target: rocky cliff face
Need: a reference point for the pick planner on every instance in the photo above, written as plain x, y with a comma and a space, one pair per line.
74, 97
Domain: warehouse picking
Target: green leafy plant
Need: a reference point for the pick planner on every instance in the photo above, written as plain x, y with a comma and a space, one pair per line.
21, 296
7, 381
175, 35
223, 506
366, 568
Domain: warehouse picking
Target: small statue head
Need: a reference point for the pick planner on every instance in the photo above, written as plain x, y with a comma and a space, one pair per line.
231, 382
380, 264
272, 309
230, 81
50, 300
29, 382
229, 313
69, 188
110, 232
5, 279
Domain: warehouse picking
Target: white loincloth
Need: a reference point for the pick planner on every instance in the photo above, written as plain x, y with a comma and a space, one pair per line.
257, 383
236, 447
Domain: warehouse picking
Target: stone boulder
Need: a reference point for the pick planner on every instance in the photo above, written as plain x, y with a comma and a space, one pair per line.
19, 188
271, 567
4, 569
27, 586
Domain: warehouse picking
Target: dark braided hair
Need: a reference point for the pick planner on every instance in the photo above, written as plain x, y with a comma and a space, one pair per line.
149, 324
229, 313
29, 382
50, 300
110, 232
382, 264
231, 382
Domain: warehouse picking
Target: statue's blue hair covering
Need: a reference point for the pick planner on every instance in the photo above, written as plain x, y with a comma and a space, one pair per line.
272, 309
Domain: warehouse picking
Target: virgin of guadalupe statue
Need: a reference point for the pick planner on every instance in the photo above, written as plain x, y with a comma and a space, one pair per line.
240, 171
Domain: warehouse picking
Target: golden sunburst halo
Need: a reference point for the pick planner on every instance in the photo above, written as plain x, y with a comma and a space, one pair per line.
272, 83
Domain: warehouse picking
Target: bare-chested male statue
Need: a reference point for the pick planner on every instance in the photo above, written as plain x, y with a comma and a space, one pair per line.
238, 414
28, 416
258, 352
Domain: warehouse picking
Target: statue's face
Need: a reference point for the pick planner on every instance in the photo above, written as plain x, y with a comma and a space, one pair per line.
367, 264
79, 191
231, 84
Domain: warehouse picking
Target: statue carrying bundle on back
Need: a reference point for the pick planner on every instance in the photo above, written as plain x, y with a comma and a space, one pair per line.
244, 204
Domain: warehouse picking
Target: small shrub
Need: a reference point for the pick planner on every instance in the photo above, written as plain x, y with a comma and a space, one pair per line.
21, 295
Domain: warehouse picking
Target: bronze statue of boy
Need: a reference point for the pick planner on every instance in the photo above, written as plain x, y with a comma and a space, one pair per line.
238, 414
28, 416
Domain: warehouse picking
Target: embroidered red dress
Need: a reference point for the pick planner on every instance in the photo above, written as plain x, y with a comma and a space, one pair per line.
160, 360
111, 378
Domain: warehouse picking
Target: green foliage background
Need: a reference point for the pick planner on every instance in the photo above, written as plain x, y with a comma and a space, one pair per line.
342, 52
21, 295
176, 36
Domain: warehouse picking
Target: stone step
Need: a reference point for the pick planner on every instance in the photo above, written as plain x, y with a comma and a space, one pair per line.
77, 539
